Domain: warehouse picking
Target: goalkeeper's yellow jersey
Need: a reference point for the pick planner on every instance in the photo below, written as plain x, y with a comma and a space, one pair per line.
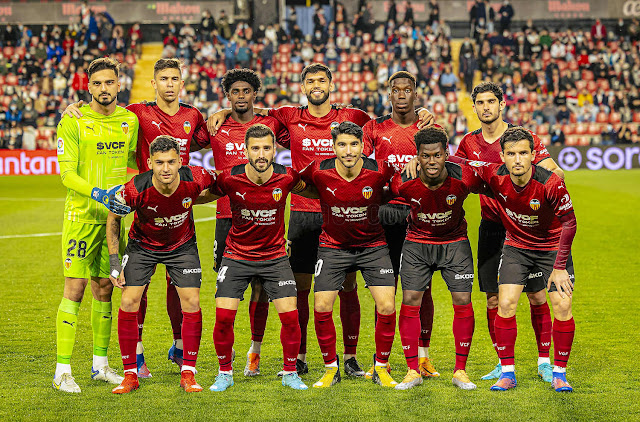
94, 151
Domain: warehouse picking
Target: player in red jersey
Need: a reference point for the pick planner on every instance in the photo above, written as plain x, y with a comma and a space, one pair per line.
436, 240
537, 212
166, 116
310, 131
483, 144
350, 188
255, 248
227, 145
162, 231
391, 137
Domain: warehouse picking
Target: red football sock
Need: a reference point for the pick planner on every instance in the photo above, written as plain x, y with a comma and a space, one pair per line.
563, 332
223, 337
303, 318
385, 331
128, 338
142, 312
174, 309
326, 333
350, 317
258, 313
290, 338
541, 321
491, 321
426, 319
191, 334
506, 333
463, 325
409, 323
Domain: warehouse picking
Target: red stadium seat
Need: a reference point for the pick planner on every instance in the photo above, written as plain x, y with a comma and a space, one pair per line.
343, 88
573, 118
12, 80
368, 76
1, 80
614, 118
542, 130
580, 85
571, 140
451, 98
604, 84
284, 48
343, 67
379, 49
587, 75
584, 141
438, 108
532, 97
601, 117
318, 58
21, 51
343, 77
573, 66
562, 65
283, 59
592, 86
356, 77
593, 129
523, 107
366, 38
568, 130
294, 87
344, 57
296, 67
580, 129
636, 116
358, 87
367, 48
8, 51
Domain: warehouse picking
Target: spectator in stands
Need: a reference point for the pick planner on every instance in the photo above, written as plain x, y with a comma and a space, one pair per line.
557, 135
598, 31
392, 13
29, 115
13, 114
434, 13
408, 13
468, 68
506, 13
448, 80
207, 25
224, 29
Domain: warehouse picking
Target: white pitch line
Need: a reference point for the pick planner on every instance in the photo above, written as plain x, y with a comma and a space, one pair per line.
21, 236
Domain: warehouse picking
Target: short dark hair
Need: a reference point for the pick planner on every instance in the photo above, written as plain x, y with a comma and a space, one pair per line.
102, 64
245, 75
258, 131
431, 135
316, 68
346, 128
516, 134
164, 143
401, 75
487, 87
163, 64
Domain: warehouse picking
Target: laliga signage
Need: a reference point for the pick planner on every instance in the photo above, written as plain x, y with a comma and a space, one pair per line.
597, 158
205, 160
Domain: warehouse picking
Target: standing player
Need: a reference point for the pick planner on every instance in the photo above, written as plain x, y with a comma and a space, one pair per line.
537, 213
392, 139
93, 153
436, 240
483, 144
227, 145
350, 188
255, 247
166, 116
310, 129
162, 232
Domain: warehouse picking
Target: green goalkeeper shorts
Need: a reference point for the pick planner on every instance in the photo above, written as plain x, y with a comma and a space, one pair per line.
84, 249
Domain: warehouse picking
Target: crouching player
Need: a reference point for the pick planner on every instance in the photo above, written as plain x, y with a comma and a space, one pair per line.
255, 247
436, 240
350, 188
537, 212
163, 232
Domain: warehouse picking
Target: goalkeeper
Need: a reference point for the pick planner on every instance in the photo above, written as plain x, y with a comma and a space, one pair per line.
93, 153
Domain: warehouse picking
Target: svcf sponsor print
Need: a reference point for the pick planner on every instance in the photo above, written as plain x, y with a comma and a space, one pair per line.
534, 204
367, 191
187, 127
451, 199
277, 194
186, 202
125, 127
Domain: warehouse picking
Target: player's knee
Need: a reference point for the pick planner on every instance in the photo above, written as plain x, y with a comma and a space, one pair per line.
386, 307
561, 307
492, 300
537, 298
322, 303
129, 304
190, 304
507, 307
461, 298
411, 297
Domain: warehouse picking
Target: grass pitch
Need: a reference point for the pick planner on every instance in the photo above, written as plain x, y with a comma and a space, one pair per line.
602, 368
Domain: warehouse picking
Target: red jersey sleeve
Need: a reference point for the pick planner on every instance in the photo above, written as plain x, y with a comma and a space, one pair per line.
204, 178
201, 134
462, 148
283, 114
387, 170
282, 134
219, 185
367, 138
396, 182
358, 116
541, 150
307, 173
473, 181
557, 195
295, 178
130, 194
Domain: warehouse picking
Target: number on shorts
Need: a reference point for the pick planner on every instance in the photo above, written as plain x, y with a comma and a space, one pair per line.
82, 248
215, 249
318, 267
221, 274
72, 246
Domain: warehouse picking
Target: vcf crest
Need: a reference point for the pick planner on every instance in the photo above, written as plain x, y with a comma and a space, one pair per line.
277, 194
534, 204
187, 127
125, 127
451, 199
186, 202
367, 191
67, 263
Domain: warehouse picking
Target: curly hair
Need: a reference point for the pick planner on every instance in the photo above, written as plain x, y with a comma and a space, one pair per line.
245, 75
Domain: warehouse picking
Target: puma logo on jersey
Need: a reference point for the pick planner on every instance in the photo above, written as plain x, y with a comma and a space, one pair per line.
333, 191
384, 138
417, 201
304, 127
241, 195
226, 132
157, 124
92, 128
64, 321
477, 154
154, 209
504, 197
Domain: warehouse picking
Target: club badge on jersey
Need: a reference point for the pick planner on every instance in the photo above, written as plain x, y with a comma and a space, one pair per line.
125, 127
277, 194
367, 191
187, 127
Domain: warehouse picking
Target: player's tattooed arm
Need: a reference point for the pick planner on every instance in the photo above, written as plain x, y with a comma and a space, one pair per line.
425, 118
73, 110
306, 190
116, 274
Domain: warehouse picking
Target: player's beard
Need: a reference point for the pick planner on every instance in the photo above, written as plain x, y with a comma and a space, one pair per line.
319, 101
106, 102
241, 109
490, 119
254, 164
349, 165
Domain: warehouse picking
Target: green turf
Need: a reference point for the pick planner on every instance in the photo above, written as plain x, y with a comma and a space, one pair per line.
602, 368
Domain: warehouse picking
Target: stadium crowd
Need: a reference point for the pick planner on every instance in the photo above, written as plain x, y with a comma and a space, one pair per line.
572, 86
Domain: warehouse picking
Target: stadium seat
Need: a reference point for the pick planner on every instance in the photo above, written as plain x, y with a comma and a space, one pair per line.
379, 49
318, 58
587, 75
451, 98
358, 87
296, 67
366, 38
592, 86
438, 108
343, 88
580, 85
604, 84
580, 129
11, 79
367, 76
270, 99
523, 107
562, 65
614, 118
584, 141
284, 48
356, 77
593, 129
542, 130
367, 48
21, 51
8, 51
343, 77
532, 97
1, 80
568, 129
636, 117
601, 117
571, 140
573, 66
343, 67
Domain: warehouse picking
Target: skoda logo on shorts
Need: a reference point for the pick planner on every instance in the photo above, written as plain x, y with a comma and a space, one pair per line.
534, 204
277, 194
125, 127
186, 202
451, 199
67, 263
367, 191
187, 127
